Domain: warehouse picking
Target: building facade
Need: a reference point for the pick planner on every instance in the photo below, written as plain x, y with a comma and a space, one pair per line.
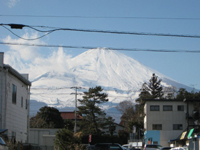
165, 120
14, 102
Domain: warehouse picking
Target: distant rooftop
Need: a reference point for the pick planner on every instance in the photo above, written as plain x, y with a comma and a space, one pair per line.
70, 115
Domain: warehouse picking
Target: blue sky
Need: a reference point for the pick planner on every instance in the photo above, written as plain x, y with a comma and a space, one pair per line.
155, 16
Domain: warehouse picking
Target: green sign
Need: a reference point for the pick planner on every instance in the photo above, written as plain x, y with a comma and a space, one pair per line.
190, 133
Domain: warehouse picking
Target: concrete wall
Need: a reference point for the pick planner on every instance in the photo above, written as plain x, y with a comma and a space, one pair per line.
42, 137
48, 140
166, 118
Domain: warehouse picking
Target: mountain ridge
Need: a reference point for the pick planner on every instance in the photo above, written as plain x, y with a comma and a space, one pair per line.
120, 76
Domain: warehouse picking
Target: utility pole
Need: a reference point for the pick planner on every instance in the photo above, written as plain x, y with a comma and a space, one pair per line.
76, 88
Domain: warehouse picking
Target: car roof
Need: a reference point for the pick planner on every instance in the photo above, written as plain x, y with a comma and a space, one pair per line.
107, 144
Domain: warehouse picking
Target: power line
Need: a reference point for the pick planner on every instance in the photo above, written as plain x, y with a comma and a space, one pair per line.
107, 48
26, 38
101, 17
99, 31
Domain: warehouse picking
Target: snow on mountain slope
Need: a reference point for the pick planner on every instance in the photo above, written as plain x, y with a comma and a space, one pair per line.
119, 75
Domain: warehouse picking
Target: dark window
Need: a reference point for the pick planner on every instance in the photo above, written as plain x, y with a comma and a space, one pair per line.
14, 94
177, 127
26, 103
21, 101
154, 108
157, 127
13, 138
167, 108
180, 107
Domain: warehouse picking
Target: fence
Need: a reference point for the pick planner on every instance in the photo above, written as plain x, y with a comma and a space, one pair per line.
36, 147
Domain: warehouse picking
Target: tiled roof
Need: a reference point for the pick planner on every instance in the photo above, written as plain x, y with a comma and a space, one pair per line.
70, 115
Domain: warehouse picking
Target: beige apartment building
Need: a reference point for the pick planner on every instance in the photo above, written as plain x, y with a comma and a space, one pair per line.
14, 102
166, 120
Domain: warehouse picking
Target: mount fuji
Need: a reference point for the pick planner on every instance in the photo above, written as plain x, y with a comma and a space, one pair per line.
120, 76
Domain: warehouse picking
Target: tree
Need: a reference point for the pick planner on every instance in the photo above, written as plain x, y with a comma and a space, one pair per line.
127, 108
93, 115
66, 140
111, 126
131, 117
69, 124
183, 94
153, 89
47, 117
139, 125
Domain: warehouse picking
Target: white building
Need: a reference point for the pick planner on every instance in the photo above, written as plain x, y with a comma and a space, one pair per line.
165, 120
14, 102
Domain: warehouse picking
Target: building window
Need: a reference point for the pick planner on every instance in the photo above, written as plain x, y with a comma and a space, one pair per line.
180, 107
13, 138
167, 108
26, 103
177, 127
14, 94
157, 127
154, 108
21, 101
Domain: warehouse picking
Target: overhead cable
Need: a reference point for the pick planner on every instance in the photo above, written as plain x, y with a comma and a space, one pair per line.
106, 31
26, 38
107, 48
101, 17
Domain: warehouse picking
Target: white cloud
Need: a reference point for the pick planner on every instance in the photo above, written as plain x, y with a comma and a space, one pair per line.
25, 52
57, 61
28, 59
12, 3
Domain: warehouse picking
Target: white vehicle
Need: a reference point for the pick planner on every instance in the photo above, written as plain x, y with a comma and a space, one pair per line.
179, 148
126, 146
152, 147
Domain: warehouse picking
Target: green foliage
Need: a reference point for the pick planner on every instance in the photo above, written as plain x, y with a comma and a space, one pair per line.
47, 117
69, 124
153, 89
93, 116
183, 94
66, 140
150, 90
111, 126
139, 125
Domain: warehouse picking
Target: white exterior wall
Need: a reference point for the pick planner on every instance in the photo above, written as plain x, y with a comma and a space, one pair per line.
12, 116
17, 116
166, 118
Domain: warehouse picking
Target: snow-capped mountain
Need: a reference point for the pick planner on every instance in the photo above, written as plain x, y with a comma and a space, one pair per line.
119, 75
